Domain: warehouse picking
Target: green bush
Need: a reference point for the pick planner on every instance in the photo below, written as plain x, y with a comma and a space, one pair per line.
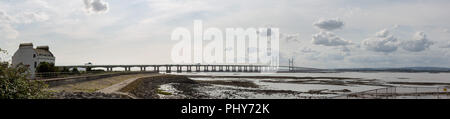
75, 71
45, 67
64, 69
15, 84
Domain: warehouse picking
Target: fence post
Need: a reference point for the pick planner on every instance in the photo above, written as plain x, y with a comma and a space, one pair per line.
438, 93
395, 92
417, 94
376, 93
387, 97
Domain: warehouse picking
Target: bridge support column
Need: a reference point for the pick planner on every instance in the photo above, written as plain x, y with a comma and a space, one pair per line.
206, 68
156, 69
179, 69
168, 69
220, 68
143, 68
197, 68
189, 68
213, 68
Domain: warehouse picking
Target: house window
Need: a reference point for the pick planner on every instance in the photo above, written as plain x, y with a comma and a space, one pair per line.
34, 55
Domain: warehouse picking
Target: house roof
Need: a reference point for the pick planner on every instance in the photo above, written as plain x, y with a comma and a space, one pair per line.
42, 52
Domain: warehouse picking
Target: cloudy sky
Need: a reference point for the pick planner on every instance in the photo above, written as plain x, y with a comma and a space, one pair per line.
318, 33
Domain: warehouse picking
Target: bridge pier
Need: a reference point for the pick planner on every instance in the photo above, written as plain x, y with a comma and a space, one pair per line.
108, 69
179, 69
206, 68
189, 68
220, 68
197, 68
127, 68
213, 68
168, 69
156, 68
142, 68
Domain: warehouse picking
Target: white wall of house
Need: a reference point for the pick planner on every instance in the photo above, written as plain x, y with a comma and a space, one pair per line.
28, 56
24, 55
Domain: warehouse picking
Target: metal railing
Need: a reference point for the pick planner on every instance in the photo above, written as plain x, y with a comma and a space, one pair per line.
400, 93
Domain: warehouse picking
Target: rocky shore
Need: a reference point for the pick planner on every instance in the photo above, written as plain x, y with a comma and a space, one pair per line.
149, 87
86, 95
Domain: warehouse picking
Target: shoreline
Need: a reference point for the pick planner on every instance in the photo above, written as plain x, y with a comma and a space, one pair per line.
168, 86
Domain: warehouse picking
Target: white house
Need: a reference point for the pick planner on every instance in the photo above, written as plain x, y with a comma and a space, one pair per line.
32, 57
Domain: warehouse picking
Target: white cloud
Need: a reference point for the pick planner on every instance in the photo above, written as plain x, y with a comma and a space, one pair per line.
23, 17
419, 43
7, 22
445, 31
290, 37
4, 17
40, 3
96, 6
383, 42
328, 39
446, 45
329, 24
30, 17
8, 32
289, 45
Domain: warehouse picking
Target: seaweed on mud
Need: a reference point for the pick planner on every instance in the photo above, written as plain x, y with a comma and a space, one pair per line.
148, 87
245, 84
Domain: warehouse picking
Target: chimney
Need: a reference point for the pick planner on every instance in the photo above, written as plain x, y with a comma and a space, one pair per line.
26, 45
43, 48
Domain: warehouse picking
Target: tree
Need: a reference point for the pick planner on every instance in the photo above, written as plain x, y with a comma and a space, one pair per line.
15, 84
75, 70
65, 69
45, 67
